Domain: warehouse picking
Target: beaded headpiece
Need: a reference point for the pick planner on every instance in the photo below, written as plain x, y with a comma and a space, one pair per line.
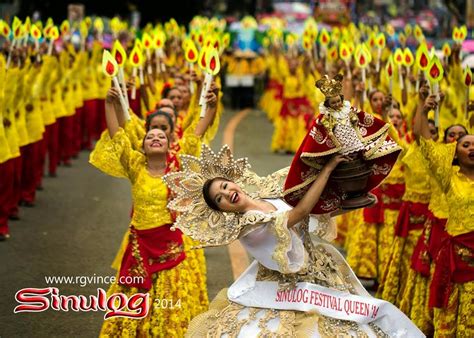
196, 219
330, 88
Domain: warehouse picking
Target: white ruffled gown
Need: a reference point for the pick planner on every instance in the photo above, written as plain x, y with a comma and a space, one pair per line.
298, 286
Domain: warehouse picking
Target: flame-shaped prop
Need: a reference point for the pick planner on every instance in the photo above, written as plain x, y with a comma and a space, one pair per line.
467, 75
147, 44
53, 35
344, 52
146, 41
398, 57
380, 43
202, 58
333, 54
35, 32
324, 37
418, 32
446, 50
435, 74
4, 29
110, 68
408, 29
16, 28
408, 59
389, 67
213, 67
191, 56
191, 53
213, 63
135, 60
109, 65
372, 39
99, 27
422, 61
120, 56
159, 44
463, 31
435, 70
65, 28
362, 58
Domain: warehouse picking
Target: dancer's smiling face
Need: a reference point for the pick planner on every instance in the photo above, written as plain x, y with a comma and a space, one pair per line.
225, 195
155, 142
465, 151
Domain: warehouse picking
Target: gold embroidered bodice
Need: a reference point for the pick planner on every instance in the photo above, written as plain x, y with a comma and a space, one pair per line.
115, 157
417, 186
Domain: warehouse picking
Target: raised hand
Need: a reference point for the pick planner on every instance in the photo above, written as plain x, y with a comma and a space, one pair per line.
430, 104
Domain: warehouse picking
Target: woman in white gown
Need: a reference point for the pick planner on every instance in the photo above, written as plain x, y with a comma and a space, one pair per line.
299, 285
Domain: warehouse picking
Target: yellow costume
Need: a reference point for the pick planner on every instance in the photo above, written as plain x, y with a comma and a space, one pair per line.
291, 125
150, 196
456, 318
271, 100
409, 226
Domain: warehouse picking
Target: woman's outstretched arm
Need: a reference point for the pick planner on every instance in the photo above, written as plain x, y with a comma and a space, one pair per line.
309, 200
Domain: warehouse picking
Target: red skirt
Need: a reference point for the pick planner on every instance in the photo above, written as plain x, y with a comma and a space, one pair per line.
453, 264
150, 251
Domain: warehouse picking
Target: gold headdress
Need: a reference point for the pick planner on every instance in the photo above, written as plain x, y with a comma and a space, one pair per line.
330, 88
196, 219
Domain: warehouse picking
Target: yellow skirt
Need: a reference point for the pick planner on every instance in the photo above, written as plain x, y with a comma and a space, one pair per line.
414, 302
369, 246
346, 225
197, 263
288, 134
269, 104
362, 250
394, 278
176, 296
457, 320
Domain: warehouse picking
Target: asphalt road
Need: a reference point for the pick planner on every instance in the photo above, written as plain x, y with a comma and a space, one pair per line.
76, 228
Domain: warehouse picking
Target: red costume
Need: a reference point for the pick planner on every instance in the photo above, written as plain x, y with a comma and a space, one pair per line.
339, 128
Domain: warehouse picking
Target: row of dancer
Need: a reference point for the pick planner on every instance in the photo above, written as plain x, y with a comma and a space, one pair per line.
51, 109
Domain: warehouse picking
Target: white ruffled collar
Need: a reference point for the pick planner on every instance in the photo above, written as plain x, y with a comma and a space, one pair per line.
338, 114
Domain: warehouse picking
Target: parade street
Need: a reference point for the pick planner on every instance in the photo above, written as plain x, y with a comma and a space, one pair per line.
76, 228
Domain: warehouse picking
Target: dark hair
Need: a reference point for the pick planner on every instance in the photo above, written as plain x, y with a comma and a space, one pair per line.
326, 101
206, 192
165, 90
373, 92
168, 91
446, 131
158, 113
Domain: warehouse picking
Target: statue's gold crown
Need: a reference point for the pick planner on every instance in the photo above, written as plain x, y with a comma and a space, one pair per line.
330, 88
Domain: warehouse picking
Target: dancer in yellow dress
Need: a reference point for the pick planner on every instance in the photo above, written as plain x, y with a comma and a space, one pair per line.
290, 124
150, 249
415, 298
411, 220
452, 281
